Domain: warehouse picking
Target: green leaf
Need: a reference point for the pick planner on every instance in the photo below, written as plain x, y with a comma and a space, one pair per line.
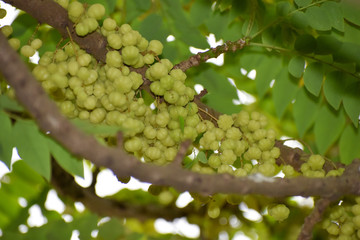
349, 144
10, 104
189, 163
302, 3
32, 147
111, 230
67, 161
185, 31
305, 111
149, 32
202, 157
283, 8
6, 141
299, 20
348, 53
318, 18
313, 77
284, 91
350, 10
326, 44
296, 66
334, 88
219, 100
351, 102
333, 10
135, 8
328, 127
199, 12
305, 43
23, 27
266, 72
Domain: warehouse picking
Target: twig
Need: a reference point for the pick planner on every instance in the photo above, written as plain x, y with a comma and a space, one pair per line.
195, 60
181, 153
314, 217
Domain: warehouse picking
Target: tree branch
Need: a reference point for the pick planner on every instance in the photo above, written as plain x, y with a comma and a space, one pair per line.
49, 12
315, 217
32, 96
195, 60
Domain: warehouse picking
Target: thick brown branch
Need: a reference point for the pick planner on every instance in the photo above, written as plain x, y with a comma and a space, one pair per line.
315, 217
51, 13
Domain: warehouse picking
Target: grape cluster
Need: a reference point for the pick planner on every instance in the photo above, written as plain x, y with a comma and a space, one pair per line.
343, 221
314, 168
110, 93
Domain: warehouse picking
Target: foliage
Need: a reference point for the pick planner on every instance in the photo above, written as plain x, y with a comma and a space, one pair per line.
306, 56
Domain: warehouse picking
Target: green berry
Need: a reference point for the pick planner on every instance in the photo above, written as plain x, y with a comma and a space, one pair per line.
279, 212
316, 162
27, 51
225, 122
155, 47
36, 44
75, 9
96, 11
114, 40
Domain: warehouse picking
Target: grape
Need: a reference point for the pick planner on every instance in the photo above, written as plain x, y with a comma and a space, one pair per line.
114, 40
153, 153
170, 96
225, 169
113, 59
75, 9
179, 87
225, 122
166, 197
7, 30
27, 51
267, 169
84, 115
96, 11
149, 58
316, 162
97, 115
73, 67
2, 13
155, 47
213, 212
36, 44
227, 157
14, 43
129, 38
347, 228
130, 55
133, 144
279, 212
233, 133
333, 229
84, 60
63, 3
158, 70
60, 56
